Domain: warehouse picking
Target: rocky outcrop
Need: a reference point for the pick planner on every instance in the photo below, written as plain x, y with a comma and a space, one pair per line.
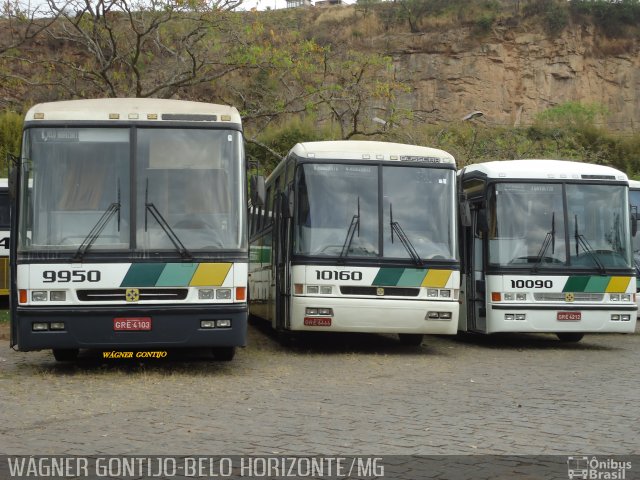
512, 75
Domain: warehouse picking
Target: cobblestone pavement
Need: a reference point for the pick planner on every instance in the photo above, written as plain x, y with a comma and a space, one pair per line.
341, 395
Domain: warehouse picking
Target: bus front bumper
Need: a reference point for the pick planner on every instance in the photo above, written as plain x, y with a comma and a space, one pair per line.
169, 327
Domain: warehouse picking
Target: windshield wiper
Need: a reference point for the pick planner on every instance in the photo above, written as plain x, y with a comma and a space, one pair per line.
582, 241
95, 232
395, 227
150, 207
97, 229
353, 227
549, 239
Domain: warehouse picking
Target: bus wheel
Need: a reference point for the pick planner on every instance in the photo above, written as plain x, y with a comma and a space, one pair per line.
570, 337
224, 354
65, 354
410, 339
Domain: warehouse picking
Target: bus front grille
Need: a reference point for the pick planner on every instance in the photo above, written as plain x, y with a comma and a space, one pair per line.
561, 297
120, 294
380, 291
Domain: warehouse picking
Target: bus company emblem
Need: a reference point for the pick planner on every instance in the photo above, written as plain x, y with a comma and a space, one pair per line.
132, 295
569, 297
380, 292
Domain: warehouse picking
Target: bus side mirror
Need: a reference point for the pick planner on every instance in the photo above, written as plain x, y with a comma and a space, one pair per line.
258, 190
12, 181
465, 211
634, 225
483, 223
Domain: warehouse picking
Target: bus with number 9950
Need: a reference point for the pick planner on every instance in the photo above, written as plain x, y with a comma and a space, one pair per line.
130, 227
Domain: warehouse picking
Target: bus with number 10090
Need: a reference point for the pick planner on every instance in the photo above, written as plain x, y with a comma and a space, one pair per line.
356, 236
546, 247
130, 227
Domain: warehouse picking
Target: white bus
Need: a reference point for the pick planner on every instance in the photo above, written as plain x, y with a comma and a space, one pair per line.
130, 218
546, 247
5, 230
634, 200
357, 236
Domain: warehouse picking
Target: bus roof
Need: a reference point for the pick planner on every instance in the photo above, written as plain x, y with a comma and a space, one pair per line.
371, 150
634, 184
137, 109
539, 169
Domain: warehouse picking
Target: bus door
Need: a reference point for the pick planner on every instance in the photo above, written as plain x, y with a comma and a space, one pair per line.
475, 278
281, 260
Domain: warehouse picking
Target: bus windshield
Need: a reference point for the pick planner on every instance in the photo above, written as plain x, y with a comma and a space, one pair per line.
334, 197
529, 226
76, 189
634, 200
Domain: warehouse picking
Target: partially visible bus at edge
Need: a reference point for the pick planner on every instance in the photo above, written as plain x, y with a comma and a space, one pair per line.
357, 236
5, 227
634, 200
130, 221
546, 247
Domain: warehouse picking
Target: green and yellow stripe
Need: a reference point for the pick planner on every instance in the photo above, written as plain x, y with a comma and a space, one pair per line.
176, 274
596, 284
411, 277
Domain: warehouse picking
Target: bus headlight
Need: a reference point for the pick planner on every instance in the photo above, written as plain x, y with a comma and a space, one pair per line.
58, 296
614, 297
205, 294
521, 297
312, 289
445, 293
39, 296
223, 294
432, 292
326, 289
509, 296
626, 297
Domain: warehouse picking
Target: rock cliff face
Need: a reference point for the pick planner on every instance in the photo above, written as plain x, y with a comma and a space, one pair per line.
512, 75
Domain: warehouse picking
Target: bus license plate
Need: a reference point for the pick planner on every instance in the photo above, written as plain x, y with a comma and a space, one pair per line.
569, 316
317, 321
131, 324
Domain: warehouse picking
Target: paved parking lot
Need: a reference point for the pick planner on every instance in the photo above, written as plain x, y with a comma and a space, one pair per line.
342, 395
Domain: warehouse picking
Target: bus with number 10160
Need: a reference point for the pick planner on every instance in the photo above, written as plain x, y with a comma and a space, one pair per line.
357, 236
130, 227
546, 247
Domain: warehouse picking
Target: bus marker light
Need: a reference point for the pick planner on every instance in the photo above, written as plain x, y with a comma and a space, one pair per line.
496, 297
223, 323
38, 116
152, 116
57, 326
207, 324
22, 294
39, 296
298, 288
241, 293
39, 326
114, 116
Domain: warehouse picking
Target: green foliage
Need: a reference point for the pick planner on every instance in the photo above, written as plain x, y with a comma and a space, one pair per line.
282, 137
554, 15
10, 134
573, 115
615, 18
